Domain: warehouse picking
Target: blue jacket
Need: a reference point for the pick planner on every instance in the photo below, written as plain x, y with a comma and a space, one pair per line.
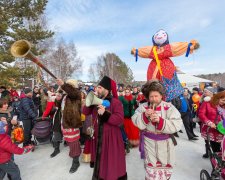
27, 109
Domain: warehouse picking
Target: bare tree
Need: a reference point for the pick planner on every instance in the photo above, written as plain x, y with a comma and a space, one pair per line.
111, 65
63, 60
92, 72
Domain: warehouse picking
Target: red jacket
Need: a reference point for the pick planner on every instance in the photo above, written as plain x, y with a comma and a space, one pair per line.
48, 109
208, 113
7, 148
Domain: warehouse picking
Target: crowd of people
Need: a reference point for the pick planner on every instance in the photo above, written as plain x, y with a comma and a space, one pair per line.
102, 136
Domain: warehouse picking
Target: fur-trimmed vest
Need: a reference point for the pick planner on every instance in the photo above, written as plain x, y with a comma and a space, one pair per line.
72, 110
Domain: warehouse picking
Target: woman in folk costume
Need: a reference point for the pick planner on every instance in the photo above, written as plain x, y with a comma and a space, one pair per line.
158, 120
107, 148
57, 132
161, 67
86, 156
131, 130
71, 119
209, 115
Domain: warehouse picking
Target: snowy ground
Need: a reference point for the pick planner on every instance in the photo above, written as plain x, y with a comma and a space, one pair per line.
39, 166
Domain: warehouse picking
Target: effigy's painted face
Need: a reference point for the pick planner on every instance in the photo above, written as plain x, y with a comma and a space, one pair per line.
160, 37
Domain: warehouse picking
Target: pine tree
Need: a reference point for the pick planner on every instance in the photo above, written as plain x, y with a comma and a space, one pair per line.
21, 19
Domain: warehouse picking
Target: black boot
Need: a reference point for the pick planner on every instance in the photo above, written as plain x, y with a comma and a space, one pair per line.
9, 177
127, 147
65, 144
92, 164
75, 164
206, 155
56, 151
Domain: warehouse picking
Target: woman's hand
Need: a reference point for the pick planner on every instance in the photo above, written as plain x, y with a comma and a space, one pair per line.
212, 125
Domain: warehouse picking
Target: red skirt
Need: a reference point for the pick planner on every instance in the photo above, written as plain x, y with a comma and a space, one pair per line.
214, 134
131, 130
75, 149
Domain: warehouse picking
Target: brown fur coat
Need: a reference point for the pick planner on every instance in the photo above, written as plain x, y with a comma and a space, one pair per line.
72, 109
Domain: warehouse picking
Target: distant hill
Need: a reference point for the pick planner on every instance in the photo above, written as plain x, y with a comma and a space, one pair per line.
217, 77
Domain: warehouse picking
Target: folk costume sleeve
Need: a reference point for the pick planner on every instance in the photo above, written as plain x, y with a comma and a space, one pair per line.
171, 123
139, 119
180, 48
115, 117
143, 52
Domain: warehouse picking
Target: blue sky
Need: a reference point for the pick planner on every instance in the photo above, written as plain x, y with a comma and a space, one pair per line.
100, 26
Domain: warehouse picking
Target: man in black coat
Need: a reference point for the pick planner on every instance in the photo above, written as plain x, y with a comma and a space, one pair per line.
28, 114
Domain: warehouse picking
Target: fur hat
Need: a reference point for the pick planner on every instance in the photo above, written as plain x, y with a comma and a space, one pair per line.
73, 83
105, 83
27, 90
109, 84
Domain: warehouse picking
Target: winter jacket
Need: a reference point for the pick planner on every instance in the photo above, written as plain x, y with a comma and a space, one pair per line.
49, 110
208, 113
27, 109
7, 148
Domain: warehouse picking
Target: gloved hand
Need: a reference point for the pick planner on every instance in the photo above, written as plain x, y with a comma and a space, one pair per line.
28, 148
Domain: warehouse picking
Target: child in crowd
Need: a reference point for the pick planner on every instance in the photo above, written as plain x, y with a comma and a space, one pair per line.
7, 149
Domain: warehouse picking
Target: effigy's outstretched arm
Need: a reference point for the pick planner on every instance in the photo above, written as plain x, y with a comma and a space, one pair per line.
143, 52
180, 48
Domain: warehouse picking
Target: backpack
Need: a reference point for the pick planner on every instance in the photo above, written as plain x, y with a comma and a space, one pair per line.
184, 105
